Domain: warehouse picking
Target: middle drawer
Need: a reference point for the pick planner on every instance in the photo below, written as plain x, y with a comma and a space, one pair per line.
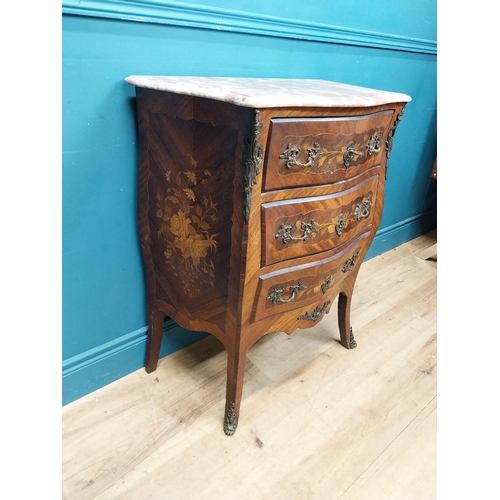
305, 226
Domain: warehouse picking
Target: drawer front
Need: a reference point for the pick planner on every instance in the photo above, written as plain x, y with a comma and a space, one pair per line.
314, 151
305, 226
299, 286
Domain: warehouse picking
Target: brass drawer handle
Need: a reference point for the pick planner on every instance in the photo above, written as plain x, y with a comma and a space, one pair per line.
290, 155
326, 283
350, 263
373, 145
275, 293
285, 232
314, 316
340, 225
362, 210
349, 154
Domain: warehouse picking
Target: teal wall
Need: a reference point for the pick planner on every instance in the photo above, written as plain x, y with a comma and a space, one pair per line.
389, 45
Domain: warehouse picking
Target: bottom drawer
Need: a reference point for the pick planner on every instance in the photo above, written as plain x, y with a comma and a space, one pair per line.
298, 286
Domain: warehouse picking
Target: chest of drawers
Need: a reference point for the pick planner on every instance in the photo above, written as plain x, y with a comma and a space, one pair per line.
258, 200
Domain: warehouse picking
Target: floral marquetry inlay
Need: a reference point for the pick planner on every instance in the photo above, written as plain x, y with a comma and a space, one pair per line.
257, 201
185, 223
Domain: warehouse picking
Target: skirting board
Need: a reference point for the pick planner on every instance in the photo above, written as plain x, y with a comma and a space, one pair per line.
101, 366
98, 367
393, 236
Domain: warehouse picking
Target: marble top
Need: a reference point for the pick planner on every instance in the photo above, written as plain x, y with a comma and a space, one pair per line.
270, 92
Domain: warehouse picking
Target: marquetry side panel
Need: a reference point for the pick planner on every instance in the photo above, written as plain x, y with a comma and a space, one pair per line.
190, 206
190, 153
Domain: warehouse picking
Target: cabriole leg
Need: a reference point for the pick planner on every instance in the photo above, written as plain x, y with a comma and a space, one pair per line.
155, 332
344, 315
234, 389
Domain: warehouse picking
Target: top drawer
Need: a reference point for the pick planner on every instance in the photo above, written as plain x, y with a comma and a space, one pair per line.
314, 151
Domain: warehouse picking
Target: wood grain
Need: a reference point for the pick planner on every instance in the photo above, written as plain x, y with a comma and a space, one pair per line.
320, 422
333, 135
208, 228
324, 213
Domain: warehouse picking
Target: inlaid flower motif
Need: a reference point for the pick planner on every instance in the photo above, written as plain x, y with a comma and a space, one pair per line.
179, 224
185, 224
190, 194
340, 156
195, 247
191, 177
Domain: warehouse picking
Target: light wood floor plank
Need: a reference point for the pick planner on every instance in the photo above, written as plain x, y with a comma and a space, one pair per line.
317, 421
393, 475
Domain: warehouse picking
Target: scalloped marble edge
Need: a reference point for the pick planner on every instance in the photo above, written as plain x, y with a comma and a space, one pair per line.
270, 92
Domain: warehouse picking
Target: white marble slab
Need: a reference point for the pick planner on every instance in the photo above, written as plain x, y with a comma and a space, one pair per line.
270, 92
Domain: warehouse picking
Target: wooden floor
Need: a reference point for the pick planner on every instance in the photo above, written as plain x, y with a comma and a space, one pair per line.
317, 421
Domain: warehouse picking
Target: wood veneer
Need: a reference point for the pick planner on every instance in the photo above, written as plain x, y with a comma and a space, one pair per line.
214, 191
